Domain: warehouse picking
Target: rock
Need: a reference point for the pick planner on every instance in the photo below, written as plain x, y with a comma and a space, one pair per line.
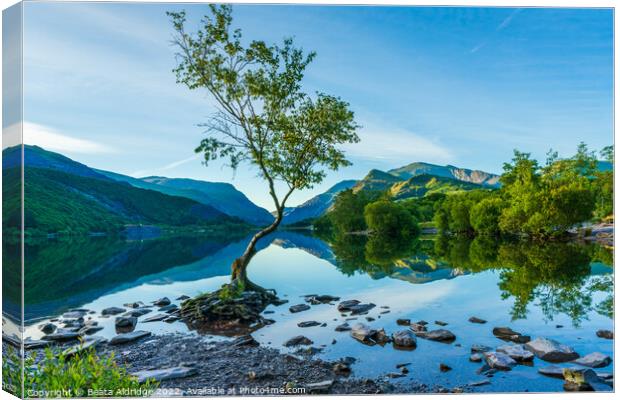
78, 348
127, 323
174, 318
550, 350
164, 301
347, 304
169, 308
605, 334
347, 360
370, 319
441, 323
404, 339
403, 321
246, 340
133, 305
74, 314
438, 335
342, 369
475, 357
157, 317
396, 375
47, 328
61, 335
516, 352
418, 327
381, 337
319, 387
508, 334
343, 327
268, 312
499, 361
90, 329
444, 368
182, 297
164, 374
138, 312
128, 337
298, 308
552, 371
362, 332
480, 348
399, 366
477, 320
594, 360
322, 299
422, 322
479, 383
307, 324
583, 380
404, 370
30, 344
298, 341
112, 311
362, 308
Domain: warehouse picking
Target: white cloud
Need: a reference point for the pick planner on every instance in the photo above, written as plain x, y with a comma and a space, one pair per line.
50, 139
396, 145
172, 165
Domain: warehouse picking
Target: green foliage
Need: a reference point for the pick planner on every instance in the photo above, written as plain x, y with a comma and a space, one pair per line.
73, 376
230, 291
453, 213
484, 216
423, 208
265, 117
390, 219
604, 186
347, 213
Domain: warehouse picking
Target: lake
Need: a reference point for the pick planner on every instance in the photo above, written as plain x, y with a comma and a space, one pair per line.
556, 290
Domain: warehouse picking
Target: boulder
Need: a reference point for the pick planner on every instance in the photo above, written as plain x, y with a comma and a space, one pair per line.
169, 308
164, 374
61, 335
298, 341
480, 348
362, 332
417, 327
516, 352
90, 329
182, 297
298, 308
551, 351
422, 322
444, 368
477, 320
499, 361
438, 335
164, 301
136, 304
307, 324
126, 323
112, 311
137, 312
404, 339
403, 321
359, 309
343, 327
47, 328
509, 335
441, 323
583, 380
475, 357
594, 360
320, 299
156, 317
347, 304
605, 334
128, 337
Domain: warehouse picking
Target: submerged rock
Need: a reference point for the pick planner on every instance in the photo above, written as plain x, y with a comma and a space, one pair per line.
137, 312
404, 339
164, 374
347, 304
477, 320
508, 334
605, 334
362, 332
61, 335
90, 329
112, 311
499, 361
444, 367
343, 327
594, 360
129, 337
298, 308
362, 308
298, 341
320, 299
127, 323
308, 324
516, 352
156, 317
475, 357
169, 308
164, 301
480, 348
403, 322
438, 335
550, 350
416, 327
441, 323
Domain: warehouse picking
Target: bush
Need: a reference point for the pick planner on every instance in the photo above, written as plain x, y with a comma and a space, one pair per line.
484, 216
72, 376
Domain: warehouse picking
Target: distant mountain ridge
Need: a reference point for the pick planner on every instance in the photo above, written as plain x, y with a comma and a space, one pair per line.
317, 205
219, 195
448, 171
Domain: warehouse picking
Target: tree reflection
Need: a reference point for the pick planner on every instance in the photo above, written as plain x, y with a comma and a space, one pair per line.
556, 276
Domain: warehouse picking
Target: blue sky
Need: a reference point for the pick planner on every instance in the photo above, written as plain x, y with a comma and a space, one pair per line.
460, 86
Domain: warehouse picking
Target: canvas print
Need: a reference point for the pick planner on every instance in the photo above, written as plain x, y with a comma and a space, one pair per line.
235, 200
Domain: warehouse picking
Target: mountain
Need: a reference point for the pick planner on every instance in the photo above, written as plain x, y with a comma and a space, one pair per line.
316, 206
448, 171
376, 180
65, 196
221, 196
421, 185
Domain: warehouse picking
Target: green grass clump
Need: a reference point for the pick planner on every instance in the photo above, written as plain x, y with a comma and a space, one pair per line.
85, 374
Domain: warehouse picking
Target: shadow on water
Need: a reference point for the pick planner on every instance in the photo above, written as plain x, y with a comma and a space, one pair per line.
561, 278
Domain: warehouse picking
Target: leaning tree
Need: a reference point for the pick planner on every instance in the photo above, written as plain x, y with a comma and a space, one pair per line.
264, 118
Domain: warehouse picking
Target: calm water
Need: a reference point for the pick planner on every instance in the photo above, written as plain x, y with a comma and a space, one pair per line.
531, 288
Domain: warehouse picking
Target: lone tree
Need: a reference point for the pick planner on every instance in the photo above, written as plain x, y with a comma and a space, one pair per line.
263, 117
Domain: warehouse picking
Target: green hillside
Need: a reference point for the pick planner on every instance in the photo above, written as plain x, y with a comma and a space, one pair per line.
422, 185
56, 201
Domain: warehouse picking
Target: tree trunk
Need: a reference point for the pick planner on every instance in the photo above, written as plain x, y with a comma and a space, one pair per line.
240, 265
